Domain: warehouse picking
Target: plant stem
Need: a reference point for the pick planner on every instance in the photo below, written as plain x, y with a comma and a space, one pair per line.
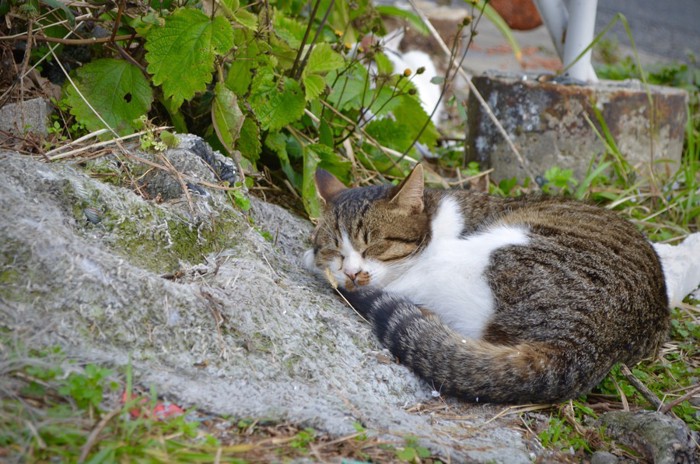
295, 72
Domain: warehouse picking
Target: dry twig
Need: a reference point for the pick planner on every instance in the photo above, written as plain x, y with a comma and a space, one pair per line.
453, 62
640, 387
668, 406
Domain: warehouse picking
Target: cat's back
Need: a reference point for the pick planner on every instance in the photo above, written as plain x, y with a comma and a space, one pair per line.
587, 278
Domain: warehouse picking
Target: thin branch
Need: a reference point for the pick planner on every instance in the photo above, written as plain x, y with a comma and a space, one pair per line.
25, 64
117, 20
472, 88
640, 387
312, 16
313, 42
668, 406
88, 41
92, 439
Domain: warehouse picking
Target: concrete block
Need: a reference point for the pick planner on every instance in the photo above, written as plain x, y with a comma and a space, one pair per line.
547, 122
28, 116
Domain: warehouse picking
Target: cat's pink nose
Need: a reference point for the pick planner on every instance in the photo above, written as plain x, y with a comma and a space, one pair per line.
351, 275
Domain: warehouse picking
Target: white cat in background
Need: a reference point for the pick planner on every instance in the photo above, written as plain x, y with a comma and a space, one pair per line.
429, 93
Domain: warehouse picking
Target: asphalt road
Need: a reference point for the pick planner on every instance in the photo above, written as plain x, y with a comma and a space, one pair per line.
666, 28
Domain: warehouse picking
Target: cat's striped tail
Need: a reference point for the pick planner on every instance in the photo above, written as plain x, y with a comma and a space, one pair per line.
473, 370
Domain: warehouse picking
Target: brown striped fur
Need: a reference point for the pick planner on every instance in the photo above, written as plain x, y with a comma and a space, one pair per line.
586, 292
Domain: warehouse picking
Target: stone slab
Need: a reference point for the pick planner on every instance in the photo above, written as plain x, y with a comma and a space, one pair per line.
28, 116
554, 124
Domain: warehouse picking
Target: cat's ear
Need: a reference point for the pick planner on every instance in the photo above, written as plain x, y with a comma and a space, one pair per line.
327, 185
410, 192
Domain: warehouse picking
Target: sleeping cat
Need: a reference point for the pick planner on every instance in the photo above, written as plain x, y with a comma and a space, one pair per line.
493, 299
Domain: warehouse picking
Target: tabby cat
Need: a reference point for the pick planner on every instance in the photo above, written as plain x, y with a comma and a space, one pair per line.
491, 299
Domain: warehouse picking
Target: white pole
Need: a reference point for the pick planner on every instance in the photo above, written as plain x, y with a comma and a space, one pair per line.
571, 25
555, 17
579, 36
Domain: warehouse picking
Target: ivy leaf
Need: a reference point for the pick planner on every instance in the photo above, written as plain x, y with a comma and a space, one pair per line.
276, 101
181, 54
116, 89
226, 116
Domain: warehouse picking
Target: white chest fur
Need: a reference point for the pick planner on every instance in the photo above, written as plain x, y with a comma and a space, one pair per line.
448, 276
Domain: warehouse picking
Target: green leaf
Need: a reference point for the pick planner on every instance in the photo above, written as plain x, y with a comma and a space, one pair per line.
249, 140
308, 186
390, 133
408, 15
232, 9
410, 113
56, 4
384, 64
349, 88
246, 19
323, 59
116, 89
314, 85
249, 55
181, 54
325, 134
276, 101
278, 142
226, 116
289, 30
169, 139
332, 162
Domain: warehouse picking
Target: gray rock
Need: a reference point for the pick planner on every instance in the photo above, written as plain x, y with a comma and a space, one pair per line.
28, 116
603, 457
547, 122
659, 438
193, 158
213, 314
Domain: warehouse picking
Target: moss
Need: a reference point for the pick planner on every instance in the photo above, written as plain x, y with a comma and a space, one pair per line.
8, 276
157, 241
15, 273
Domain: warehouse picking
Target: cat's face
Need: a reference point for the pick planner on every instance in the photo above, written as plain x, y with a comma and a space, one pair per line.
366, 235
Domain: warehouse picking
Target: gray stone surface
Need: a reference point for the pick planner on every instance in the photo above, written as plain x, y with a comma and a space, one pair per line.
603, 457
178, 287
215, 316
551, 125
657, 437
29, 116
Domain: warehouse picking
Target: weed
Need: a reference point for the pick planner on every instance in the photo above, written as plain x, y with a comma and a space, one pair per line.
412, 451
87, 387
302, 440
